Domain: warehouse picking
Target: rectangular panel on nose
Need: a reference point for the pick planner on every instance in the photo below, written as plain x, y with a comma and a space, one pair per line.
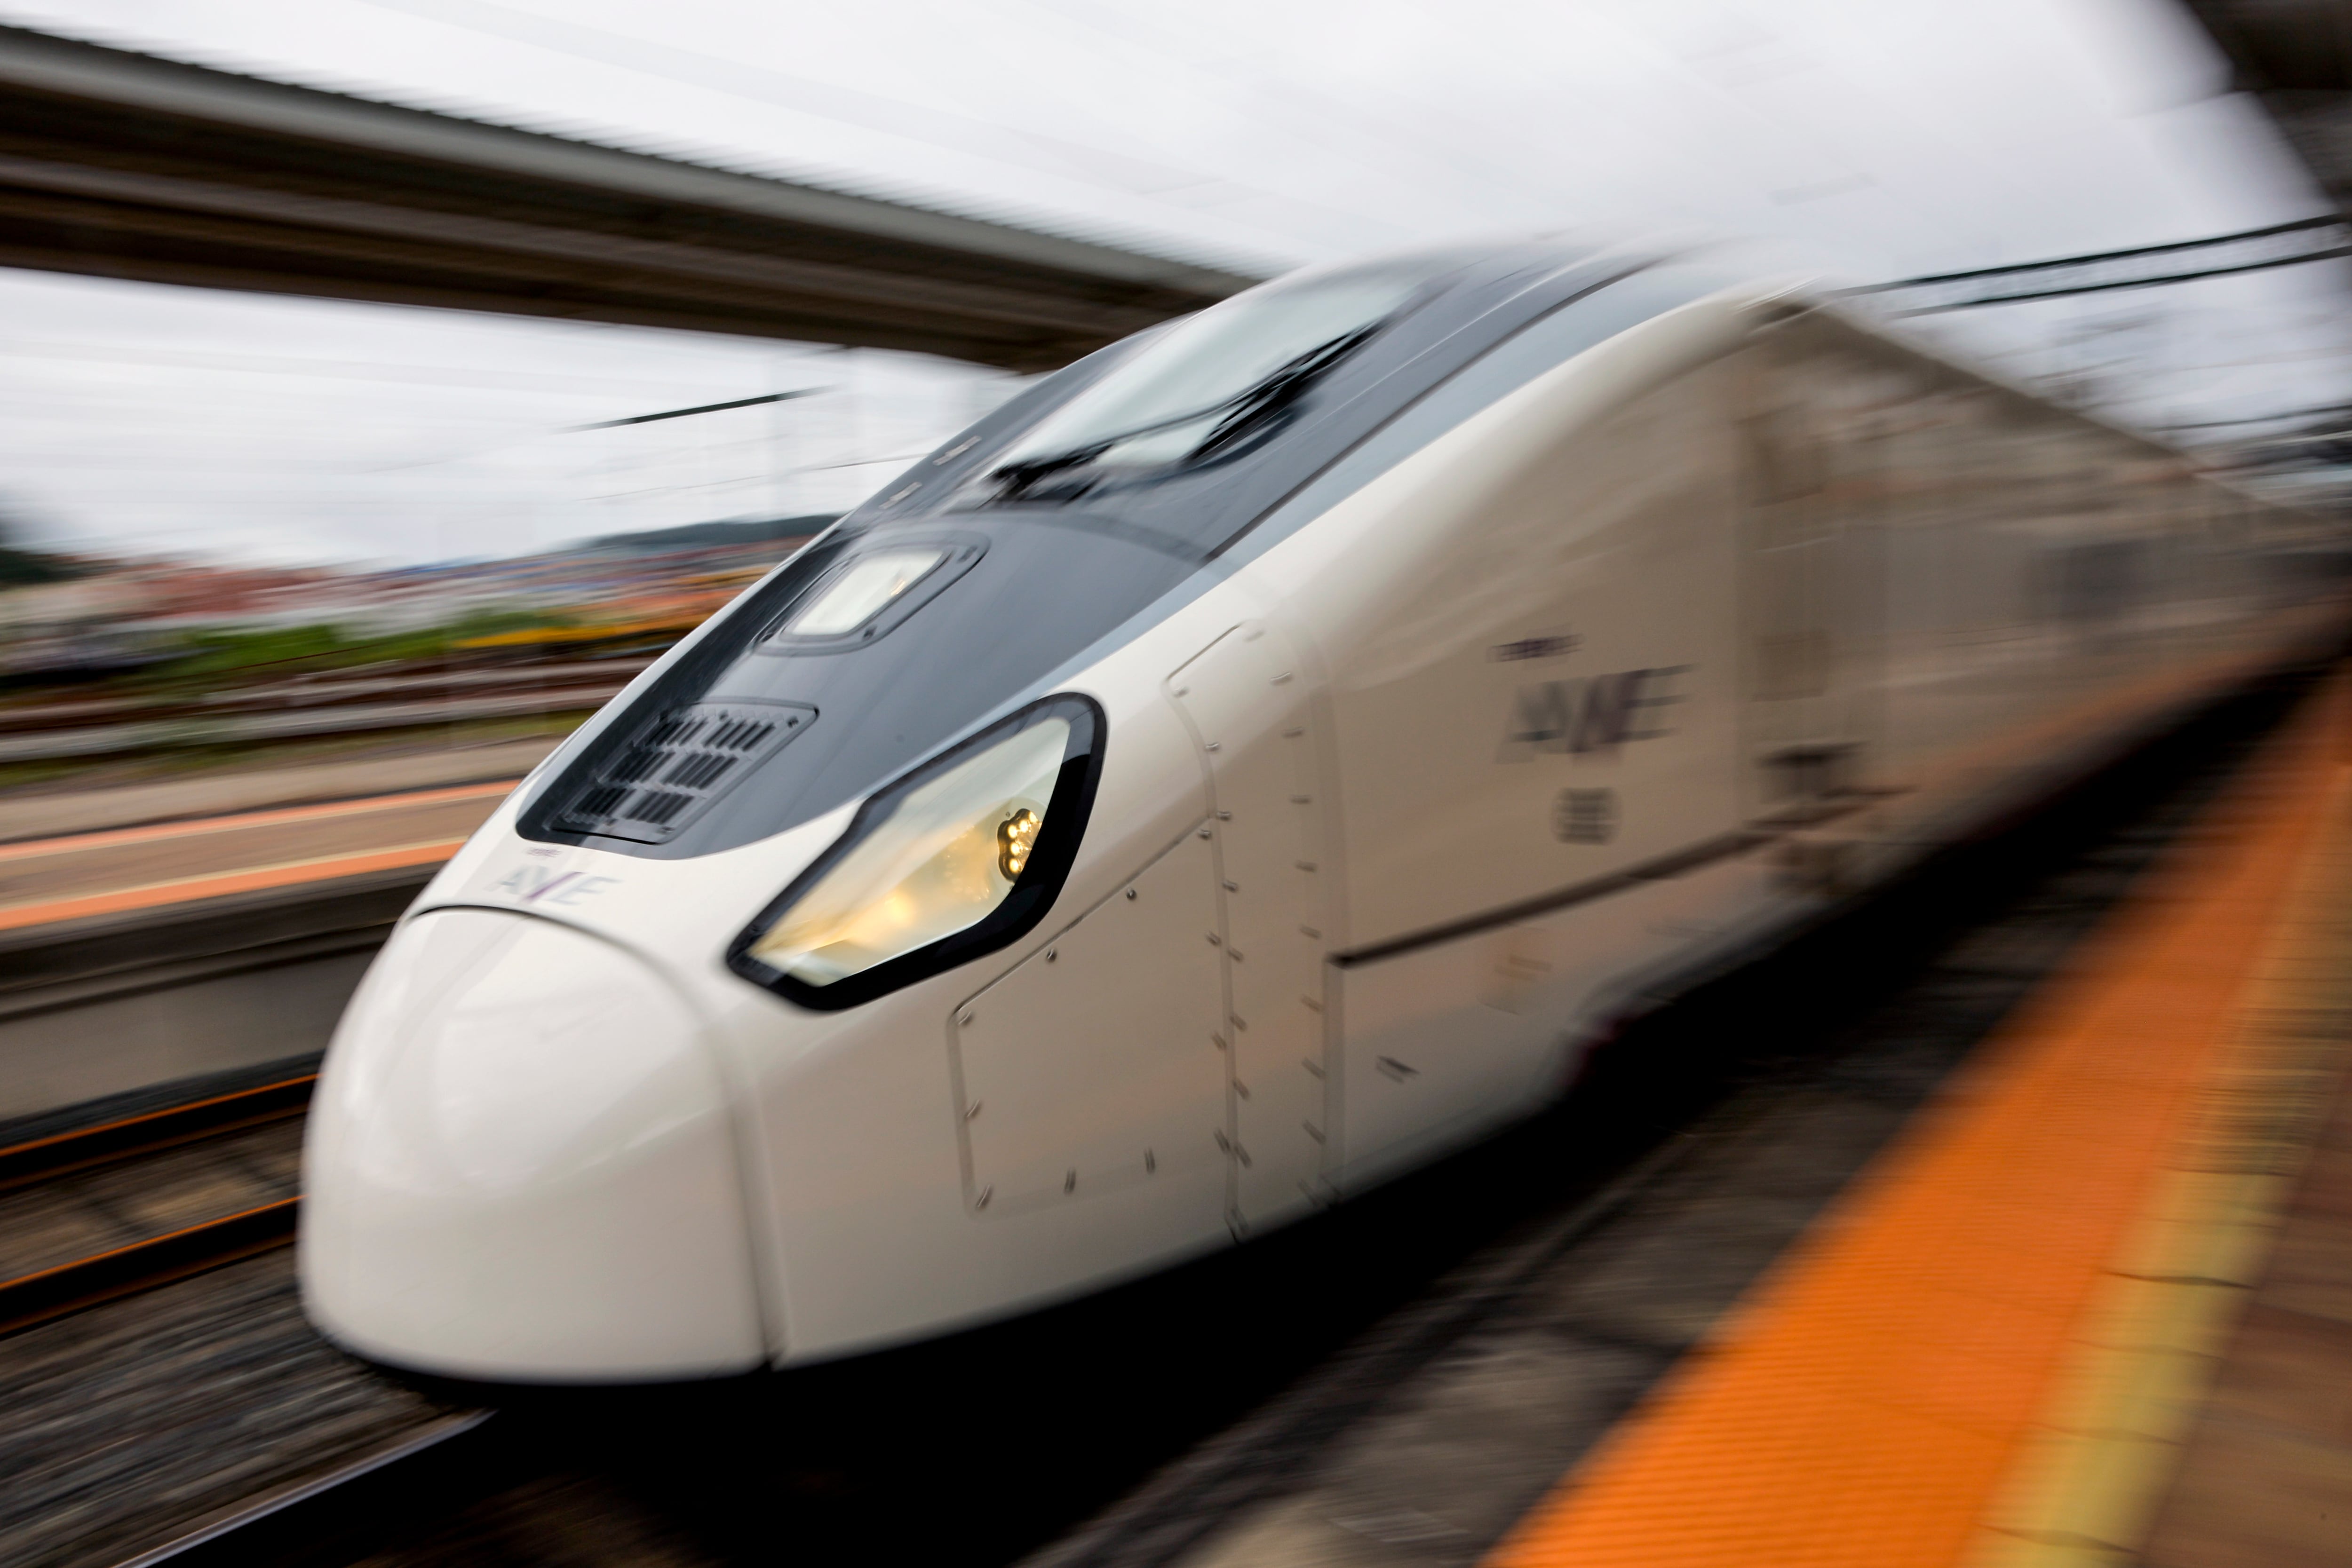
1092, 1066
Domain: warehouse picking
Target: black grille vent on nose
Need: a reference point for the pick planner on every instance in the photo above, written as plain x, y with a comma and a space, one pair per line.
677, 765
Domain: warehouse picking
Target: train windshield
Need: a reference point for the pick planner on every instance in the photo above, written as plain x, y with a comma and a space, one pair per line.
1209, 384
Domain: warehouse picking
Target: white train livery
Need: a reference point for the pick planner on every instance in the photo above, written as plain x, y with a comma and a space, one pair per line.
1251, 764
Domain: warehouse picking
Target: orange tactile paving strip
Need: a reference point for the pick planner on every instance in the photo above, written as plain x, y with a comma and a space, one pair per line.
1864, 1407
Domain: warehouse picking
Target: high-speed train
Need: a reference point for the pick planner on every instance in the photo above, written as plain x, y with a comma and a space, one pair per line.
1253, 762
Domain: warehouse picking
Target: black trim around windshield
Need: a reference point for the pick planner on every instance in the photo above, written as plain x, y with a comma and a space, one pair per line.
1028, 904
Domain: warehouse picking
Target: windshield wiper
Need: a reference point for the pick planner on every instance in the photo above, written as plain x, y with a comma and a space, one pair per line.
1238, 417
1266, 403
1017, 479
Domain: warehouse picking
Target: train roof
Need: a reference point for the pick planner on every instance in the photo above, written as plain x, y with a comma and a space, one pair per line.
1109, 491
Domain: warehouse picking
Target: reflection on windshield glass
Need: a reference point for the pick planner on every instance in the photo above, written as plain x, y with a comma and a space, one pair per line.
1213, 379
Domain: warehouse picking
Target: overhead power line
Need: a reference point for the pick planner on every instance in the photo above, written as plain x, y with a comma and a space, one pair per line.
2142, 266
699, 408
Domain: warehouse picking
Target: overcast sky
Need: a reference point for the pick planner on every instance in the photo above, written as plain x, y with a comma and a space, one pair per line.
1887, 137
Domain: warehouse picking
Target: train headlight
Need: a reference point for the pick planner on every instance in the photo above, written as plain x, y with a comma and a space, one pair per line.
956, 859
1016, 836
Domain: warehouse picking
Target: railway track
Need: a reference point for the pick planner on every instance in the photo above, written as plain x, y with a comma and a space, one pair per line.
114, 1145
1117, 1432
306, 1518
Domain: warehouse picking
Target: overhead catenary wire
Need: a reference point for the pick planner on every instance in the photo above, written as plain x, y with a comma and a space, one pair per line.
2316, 411
1982, 285
699, 408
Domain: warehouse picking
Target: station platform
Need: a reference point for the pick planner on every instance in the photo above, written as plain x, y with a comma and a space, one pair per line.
153, 846
2005, 1223
2089, 1303
160, 941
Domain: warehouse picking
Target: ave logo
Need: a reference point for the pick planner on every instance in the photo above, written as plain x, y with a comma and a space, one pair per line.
1585, 715
545, 884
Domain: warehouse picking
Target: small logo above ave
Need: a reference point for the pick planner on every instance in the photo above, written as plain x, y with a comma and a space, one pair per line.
1534, 648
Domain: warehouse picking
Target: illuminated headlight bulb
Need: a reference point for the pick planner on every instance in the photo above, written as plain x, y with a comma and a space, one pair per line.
944, 856
1015, 837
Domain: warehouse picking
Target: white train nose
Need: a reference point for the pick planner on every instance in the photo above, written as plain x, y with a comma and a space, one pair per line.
520, 1165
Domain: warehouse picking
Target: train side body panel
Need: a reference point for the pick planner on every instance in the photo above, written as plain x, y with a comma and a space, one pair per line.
1530, 626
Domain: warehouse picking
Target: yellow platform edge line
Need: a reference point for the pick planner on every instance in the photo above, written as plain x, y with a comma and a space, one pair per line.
2087, 1482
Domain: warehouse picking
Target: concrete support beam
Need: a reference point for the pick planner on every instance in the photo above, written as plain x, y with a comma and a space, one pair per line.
122, 164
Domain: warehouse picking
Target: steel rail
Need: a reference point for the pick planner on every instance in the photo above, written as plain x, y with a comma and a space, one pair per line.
311, 1507
150, 1132
47, 1293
